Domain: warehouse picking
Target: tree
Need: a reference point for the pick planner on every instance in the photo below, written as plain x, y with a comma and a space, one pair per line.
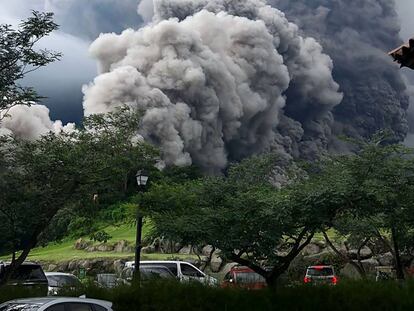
379, 181
19, 56
40, 178
244, 215
385, 175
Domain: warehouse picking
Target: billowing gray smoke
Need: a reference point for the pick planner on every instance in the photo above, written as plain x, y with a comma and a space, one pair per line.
218, 80
357, 34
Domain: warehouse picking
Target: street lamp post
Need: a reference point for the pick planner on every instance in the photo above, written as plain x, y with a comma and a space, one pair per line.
142, 179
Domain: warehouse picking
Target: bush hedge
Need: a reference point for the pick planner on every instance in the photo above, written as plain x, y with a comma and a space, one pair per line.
174, 296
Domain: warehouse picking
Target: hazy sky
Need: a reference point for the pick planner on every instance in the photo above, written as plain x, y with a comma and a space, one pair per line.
81, 21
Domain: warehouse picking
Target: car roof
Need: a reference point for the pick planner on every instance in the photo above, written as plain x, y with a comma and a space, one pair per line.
162, 261
44, 301
58, 274
319, 267
242, 269
38, 301
26, 263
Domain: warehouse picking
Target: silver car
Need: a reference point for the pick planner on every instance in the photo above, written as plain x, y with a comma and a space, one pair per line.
58, 281
56, 304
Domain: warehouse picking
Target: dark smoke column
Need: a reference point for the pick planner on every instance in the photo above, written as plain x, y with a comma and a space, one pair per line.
357, 34
214, 79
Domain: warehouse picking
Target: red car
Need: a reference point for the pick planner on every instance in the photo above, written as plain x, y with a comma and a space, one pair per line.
243, 277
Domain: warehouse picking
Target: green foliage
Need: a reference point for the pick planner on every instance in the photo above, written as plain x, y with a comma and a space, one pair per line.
65, 171
100, 236
20, 56
356, 296
81, 226
243, 215
122, 212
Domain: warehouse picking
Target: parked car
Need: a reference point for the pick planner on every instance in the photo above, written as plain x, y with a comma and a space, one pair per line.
385, 273
243, 277
107, 280
182, 270
28, 275
320, 275
147, 273
58, 281
56, 304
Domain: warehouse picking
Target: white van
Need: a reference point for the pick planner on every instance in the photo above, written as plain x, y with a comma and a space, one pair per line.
184, 271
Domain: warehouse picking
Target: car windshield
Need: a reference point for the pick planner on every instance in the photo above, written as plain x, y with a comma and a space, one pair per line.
320, 271
249, 277
27, 273
63, 280
19, 307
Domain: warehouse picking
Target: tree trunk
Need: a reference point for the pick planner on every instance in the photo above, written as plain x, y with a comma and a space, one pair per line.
358, 266
398, 264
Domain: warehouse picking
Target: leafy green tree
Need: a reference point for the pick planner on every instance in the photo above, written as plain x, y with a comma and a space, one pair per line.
252, 222
65, 171
19, 56
385, 174
379, 182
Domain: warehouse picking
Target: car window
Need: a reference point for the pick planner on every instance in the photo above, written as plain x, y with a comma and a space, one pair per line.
320, 271
249, 278
155, 272
187, 270
99, 308
171, 266
19, 307
27, 273
63, 280
78, 307
56, 307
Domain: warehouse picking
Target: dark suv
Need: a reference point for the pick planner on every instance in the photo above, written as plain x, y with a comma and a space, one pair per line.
28, 275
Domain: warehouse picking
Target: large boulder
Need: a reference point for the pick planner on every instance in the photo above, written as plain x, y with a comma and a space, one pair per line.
168, 246
105, 248
73, 265
148, 249
365, 253
206, 251
311, 249
123, 246
119, 266
369, 265
349, 271
216, 263
82, 244
323, 258
386, 259
186, 250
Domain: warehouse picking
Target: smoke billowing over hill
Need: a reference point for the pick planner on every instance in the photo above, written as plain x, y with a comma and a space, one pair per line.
216, 79
357, 34
220, 80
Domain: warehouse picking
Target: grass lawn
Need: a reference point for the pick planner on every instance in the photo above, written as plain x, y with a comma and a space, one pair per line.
65, 251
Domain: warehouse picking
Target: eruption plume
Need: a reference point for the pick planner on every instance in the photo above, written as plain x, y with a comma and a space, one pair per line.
218, 81
357, 35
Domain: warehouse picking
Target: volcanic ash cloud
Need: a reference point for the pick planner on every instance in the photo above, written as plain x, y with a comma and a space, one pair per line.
214, 82
30, 122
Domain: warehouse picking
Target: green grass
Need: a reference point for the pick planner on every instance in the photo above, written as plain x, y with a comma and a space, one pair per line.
65, 251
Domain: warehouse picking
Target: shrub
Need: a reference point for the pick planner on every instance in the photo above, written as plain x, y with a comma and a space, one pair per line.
100, 236
175, 296
81, 226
